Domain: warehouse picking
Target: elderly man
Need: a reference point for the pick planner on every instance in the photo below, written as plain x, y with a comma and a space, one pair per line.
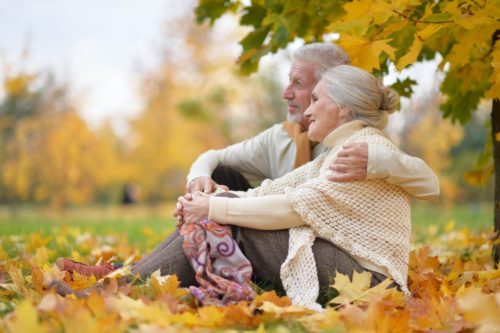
272, 154
284, 147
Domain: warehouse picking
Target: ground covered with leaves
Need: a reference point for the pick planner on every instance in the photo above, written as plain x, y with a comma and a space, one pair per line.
454, 285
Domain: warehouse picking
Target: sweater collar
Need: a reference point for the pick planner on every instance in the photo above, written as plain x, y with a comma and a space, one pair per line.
339, 135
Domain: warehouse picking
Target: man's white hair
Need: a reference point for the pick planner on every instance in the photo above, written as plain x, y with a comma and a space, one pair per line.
325, 55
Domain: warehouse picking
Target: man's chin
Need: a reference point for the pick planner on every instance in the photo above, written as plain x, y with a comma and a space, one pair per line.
294, 118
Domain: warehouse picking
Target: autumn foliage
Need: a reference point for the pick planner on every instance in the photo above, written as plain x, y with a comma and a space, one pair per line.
193, 101
457, 291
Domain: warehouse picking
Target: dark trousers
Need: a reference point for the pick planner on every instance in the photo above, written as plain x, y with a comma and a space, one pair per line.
225, 175
265, 249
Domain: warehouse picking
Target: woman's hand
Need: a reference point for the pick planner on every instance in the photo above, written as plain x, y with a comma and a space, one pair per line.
178, 214
194, 208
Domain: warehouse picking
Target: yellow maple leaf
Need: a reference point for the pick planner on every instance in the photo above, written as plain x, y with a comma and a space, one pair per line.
354, 27
125, 306
25, 319
365, 53
81, 321
411, 56
358, 290
321, 321
163, 284
186, 318
42, 256
78, 281
37, 279
96, 304
279, 311
381, 11
481, 309
378, 11
155, 313
355, 9
497, 136
211, 316
428, 31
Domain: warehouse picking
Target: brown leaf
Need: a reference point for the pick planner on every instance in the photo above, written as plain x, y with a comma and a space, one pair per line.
37, 278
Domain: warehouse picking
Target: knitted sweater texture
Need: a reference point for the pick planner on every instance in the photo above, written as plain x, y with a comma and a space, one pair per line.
369, 219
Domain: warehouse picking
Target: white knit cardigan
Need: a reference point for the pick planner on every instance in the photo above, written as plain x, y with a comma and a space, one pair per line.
369, 219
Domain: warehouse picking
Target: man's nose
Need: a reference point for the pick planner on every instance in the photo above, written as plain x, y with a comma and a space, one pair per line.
287, 93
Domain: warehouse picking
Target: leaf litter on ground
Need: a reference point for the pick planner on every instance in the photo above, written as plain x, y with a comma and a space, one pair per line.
453, 282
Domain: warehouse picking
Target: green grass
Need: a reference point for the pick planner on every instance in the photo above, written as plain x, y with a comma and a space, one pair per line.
135, 223
139, 223
431, 219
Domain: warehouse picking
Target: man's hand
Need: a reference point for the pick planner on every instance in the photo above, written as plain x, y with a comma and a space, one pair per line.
202, 184
351, 163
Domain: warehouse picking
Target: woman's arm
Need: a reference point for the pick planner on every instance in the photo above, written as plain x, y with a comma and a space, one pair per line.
271, 212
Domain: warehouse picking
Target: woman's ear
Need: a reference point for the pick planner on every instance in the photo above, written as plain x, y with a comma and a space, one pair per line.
346, 114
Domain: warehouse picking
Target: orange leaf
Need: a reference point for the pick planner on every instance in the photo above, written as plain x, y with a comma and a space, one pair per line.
271, 296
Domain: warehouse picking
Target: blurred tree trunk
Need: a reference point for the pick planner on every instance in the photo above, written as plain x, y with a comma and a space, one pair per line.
495, 131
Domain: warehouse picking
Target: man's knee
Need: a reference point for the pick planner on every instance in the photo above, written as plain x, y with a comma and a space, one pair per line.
225, 175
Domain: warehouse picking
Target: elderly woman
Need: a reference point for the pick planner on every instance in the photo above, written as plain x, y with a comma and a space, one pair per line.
325, 227
299, 230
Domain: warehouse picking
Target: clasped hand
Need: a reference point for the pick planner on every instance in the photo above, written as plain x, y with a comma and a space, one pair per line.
191, 208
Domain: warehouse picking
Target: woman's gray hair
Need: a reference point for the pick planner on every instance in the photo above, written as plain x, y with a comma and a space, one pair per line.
325, 55
361, 92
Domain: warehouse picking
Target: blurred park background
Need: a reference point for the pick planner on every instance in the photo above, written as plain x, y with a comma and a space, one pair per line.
103, 108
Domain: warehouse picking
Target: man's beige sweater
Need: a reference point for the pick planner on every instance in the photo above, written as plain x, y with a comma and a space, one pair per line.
369, 219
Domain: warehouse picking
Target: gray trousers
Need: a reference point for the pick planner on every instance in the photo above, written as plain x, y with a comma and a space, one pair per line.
266, 250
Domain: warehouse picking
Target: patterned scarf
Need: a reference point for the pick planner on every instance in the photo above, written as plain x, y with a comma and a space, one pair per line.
221, 269
304, 146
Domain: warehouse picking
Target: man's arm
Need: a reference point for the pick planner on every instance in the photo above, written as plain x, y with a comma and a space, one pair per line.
358, 161
249, 157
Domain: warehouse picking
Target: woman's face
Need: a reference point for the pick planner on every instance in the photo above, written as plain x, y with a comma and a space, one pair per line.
324, 114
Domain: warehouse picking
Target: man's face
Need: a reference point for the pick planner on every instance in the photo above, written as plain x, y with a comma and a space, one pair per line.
298, 92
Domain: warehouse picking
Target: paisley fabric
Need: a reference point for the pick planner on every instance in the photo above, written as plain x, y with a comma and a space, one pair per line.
221, 269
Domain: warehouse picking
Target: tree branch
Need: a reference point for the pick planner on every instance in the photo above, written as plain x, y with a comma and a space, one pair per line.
420, 21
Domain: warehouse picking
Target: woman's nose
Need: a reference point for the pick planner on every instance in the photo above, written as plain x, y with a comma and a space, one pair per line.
307, 112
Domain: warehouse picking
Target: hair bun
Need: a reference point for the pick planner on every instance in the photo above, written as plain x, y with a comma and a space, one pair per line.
390, 98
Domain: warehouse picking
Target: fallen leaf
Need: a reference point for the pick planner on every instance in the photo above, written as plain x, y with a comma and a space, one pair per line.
25, 319
481, 309
358, 290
